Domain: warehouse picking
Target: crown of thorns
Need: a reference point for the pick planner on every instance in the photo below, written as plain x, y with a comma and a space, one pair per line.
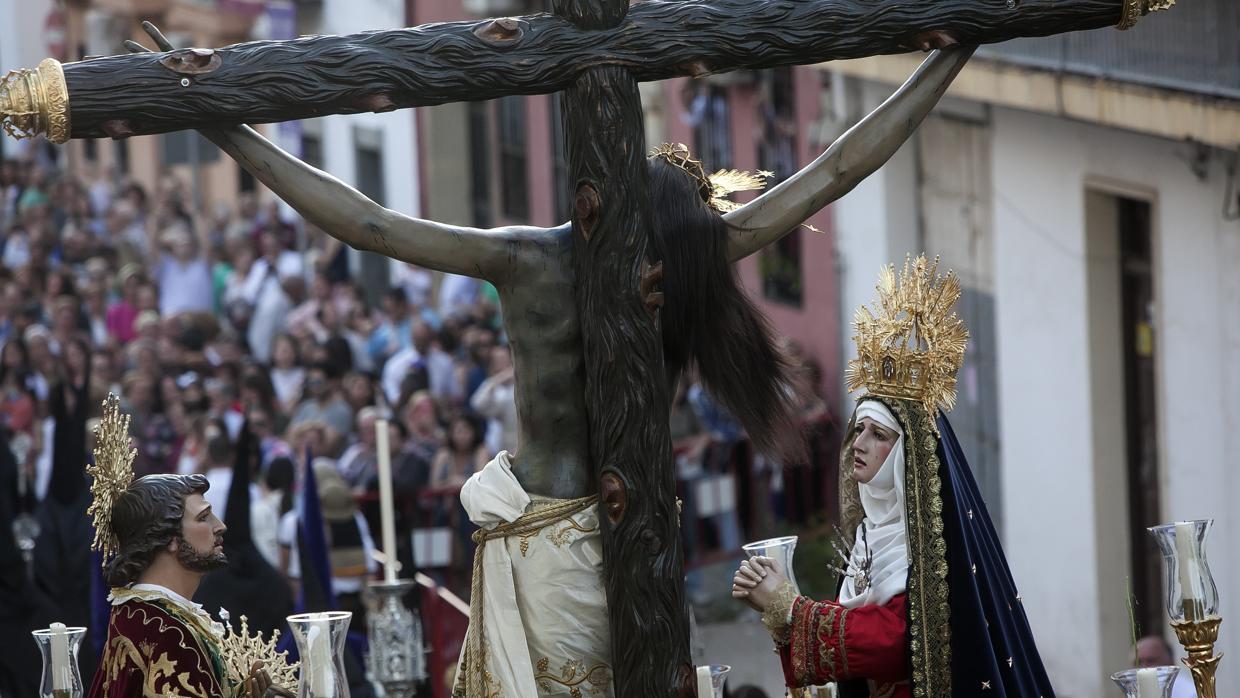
716, 187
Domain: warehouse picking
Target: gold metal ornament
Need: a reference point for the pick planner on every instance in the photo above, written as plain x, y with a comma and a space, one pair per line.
714, 188
240, 650
1198, 638
1134, 10
912, 346
111, 473
34, 102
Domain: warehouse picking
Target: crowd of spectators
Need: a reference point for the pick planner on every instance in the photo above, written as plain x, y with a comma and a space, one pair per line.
206, 322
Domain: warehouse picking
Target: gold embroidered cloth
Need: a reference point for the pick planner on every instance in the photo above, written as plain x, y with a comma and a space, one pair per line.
538, 611
156, 649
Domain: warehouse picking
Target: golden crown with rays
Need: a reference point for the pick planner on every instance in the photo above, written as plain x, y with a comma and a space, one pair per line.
111, 473
912, 345
240, 650
714, 188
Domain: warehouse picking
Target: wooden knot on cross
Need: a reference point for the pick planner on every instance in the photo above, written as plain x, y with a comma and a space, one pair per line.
615, 497
378, 102
586, 206
117, 128
192, 61
500, 33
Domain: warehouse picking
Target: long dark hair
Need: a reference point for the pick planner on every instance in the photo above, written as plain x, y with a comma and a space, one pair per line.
146, 518
710, 321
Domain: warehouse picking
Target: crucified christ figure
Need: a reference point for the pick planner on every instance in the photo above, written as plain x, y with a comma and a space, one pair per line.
546, 620
532, 270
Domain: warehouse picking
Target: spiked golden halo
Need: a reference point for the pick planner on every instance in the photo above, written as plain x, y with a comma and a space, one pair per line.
912, 346
240, 650
111, 473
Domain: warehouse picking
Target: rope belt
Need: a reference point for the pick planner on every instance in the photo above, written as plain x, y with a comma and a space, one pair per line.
474, 663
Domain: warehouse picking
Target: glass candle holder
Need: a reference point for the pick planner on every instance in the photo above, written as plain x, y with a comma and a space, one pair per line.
781, 549
59, 647
320, 641
1154, 682
1191, 593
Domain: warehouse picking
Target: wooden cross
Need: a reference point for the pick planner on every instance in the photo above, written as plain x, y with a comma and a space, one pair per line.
595, 51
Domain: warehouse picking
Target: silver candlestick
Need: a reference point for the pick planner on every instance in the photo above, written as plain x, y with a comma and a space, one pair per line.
396, 659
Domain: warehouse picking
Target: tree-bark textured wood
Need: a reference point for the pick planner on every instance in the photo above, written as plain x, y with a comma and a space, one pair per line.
268, 81
626, 389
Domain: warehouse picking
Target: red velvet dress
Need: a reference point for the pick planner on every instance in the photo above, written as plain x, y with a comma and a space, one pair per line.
828, 642
156, 648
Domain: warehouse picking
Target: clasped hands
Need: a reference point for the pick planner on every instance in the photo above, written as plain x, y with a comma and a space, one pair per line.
756, 581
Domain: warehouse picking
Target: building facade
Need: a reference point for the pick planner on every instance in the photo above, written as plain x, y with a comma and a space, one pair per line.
98, 28
376, 153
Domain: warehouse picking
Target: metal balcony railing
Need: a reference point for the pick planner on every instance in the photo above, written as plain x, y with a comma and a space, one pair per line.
1193, 47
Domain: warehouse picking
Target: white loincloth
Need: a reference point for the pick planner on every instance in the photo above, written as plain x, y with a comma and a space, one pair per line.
544, 610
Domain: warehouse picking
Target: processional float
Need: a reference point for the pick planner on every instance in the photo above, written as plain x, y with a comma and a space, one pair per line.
595, 52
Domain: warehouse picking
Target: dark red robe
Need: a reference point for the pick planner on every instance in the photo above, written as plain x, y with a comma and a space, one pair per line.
155, 648
828, 642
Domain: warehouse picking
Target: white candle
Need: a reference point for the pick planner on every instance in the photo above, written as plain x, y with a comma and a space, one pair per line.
386, 513
60, 656
1147, 684
322, 684
1186, 560
704, 688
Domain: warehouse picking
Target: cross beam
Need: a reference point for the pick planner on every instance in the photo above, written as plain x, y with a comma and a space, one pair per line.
268, 81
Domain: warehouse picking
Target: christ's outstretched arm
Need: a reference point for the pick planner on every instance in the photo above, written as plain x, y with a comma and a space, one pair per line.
349, 216
346, 214
850, 159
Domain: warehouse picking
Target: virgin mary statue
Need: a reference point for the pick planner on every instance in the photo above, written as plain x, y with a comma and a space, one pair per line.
926, 606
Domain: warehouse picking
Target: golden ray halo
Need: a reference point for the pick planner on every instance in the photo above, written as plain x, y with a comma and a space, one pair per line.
912, 345
240, 650
111, 473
